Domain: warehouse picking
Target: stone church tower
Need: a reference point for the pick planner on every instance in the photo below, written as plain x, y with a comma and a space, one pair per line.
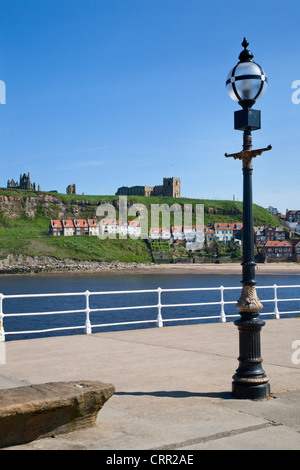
171, 187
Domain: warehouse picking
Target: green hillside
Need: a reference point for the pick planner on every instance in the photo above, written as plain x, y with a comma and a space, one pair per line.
214, 210
25, 217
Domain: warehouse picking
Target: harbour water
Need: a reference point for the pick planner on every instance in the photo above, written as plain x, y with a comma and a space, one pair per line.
100, 282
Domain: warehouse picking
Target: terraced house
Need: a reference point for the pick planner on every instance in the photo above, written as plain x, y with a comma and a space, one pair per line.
113, 227
93, 227
134, 228
81, 227
296, 253
56, 228
69, 227
157, 233
275, 249
264, 234
225, 232
177, 233
108, 226
292, 216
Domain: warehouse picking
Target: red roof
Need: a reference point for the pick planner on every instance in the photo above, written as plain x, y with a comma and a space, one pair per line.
228, 226
68, 223
159, 230
109, 222
133, 223
80, 223
277, 243
56, 223
196, 227
92, 222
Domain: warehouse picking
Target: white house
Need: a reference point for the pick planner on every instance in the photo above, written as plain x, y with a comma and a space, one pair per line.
165, 233
155, 233
134, 228
108, 226
93, 227
123, 228
194, 232
160, 233
68, 228
224, 232
177, 232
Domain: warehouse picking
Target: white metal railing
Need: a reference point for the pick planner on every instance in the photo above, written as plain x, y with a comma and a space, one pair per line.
159, 306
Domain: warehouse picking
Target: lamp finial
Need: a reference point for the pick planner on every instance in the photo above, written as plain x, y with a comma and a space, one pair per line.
245, 43
245, 55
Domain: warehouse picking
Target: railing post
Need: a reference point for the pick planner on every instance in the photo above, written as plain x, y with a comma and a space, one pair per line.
88, 326
223, 316
277, 316
159, 321
2, 332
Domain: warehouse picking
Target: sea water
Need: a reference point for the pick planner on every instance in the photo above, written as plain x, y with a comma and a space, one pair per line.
113, 282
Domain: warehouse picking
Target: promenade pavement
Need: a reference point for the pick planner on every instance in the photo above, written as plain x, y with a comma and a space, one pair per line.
173, 387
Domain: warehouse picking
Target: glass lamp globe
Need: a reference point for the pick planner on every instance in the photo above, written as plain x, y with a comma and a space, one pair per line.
246, 82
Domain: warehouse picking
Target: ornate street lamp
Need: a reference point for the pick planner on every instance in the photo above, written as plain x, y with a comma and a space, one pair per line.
245, 84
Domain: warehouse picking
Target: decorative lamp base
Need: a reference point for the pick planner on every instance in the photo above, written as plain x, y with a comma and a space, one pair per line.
251, 392
250, 380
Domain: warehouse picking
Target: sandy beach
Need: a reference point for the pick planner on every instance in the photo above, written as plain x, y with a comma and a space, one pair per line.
228, 268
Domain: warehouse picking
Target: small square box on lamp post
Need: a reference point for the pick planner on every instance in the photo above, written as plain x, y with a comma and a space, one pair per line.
246, 83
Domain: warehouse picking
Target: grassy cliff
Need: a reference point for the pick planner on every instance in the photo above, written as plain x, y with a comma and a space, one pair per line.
25, 217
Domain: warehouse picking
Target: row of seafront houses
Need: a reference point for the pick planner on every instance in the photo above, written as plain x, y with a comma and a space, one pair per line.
222, 232
93, 227
271, 239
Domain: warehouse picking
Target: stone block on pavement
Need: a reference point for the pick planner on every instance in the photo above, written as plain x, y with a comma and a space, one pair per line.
43, 410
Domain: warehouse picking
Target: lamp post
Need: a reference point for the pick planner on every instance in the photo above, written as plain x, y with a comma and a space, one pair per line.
246, 83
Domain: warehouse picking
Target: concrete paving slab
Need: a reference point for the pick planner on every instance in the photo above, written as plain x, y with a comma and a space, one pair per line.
284, 409
268, 438
144, 424
173, 386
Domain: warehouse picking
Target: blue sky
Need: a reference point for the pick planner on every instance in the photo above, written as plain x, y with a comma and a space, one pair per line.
106, 93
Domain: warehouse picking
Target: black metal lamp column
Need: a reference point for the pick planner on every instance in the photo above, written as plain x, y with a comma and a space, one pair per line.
245, 84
